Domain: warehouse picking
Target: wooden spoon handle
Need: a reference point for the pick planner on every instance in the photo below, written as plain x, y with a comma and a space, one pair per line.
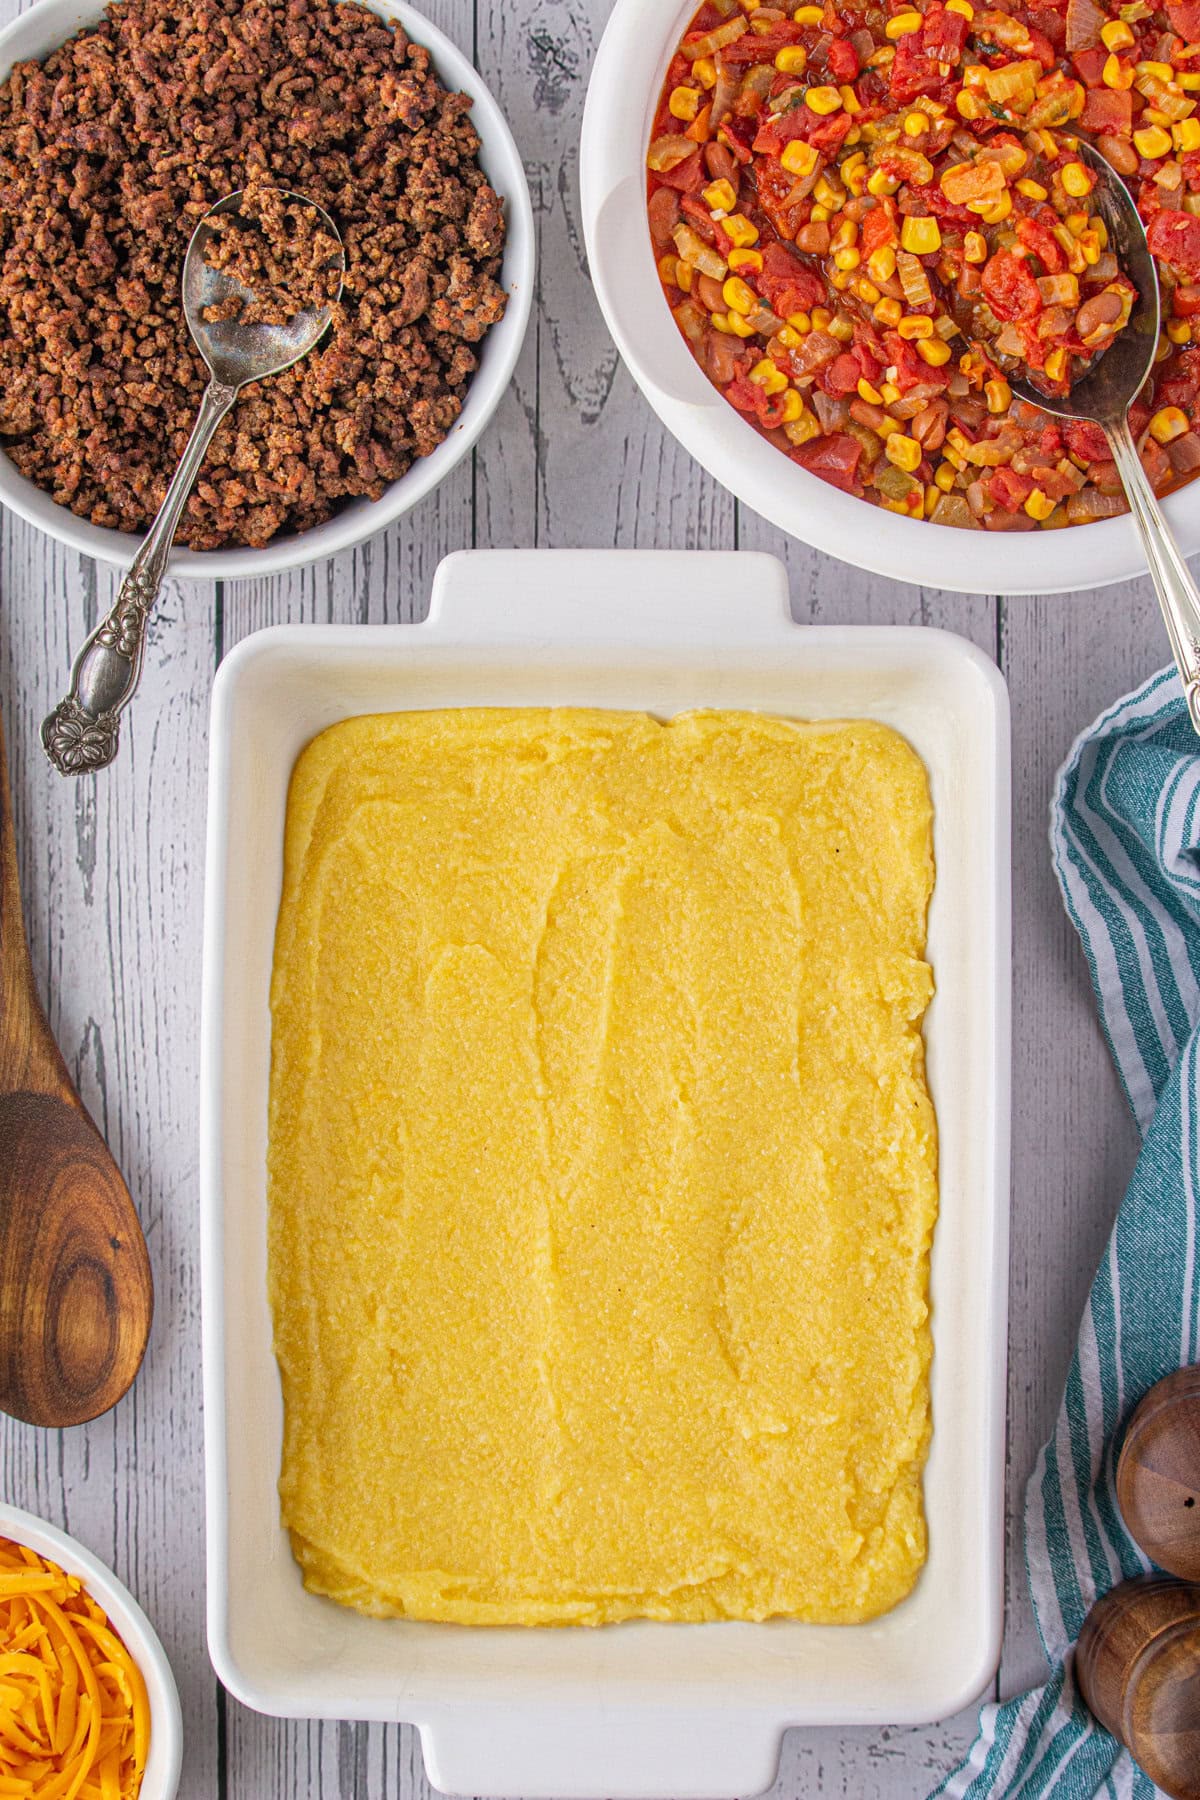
30, 1060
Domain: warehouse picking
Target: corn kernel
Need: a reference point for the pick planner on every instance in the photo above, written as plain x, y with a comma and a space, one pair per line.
1089, 244
792, 60
955, 458
1076, 180
684, 103
866, 291
668, 270
1190, 82
1179, 331
854, 173
869, 393
1056, 364
798, 158
902, 24
738, 326
705, 71
1116, 74
1076, 222
1152, 143
808, 15
933, 351
961, 6
739, 297
768, 376
684, 276
1038, 506
916, 124
890, 392
821, 318
1186, 134
889, 312
740, 232
943, 476
789, 337
719, 323
800, 321
1168, 422
995, 211
792, 408
915, 325
746, 259
882, 263
721, 196
921, 236
1096, 224
819, 214
847, 258
807, 426
880, 183
1032, 190
1155, 71
975, 248
823, 100
830, 196
968, 106
904, 452
841, 328
998, 394
1116, 35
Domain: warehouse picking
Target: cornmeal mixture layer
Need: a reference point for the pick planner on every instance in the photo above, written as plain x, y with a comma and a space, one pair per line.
602, 1166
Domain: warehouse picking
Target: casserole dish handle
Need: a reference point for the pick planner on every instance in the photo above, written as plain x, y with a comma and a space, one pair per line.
620, 1751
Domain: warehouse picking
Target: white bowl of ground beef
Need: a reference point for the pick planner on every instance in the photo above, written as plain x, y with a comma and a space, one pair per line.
50, 23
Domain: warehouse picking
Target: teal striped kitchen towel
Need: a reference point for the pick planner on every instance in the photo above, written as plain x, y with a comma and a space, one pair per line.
1125, 838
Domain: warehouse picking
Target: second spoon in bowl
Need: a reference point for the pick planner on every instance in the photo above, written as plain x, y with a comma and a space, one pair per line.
82, 732
1103, 397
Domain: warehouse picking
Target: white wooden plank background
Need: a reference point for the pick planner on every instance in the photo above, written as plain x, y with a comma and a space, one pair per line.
112, 874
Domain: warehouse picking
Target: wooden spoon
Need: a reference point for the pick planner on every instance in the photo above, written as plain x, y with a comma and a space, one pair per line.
76, 1296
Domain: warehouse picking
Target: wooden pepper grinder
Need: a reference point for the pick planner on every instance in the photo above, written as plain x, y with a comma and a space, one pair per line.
1137, 1662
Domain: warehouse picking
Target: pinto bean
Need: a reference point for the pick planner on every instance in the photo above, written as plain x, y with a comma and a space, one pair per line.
662, 210
721, 358
814, 238
1101, 309
721, 162
1120, 153
929, 426
709, 294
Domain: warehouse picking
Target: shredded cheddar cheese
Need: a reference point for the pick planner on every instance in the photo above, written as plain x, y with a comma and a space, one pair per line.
74, 1716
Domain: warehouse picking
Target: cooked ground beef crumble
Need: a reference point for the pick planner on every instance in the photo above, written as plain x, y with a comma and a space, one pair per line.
111, 150
274, 247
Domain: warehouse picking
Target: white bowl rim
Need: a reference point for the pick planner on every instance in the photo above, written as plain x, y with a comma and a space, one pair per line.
165, 1761
46, 24
624, 84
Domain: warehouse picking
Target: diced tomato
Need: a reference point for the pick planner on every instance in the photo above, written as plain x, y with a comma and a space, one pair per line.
1042, 48
828, 134
943, 35
1089, 65
912, 73
1010, 289
745, 394
911, 370
1053, 24
842, 375
1107, 112
843, 60
774, 134
761, 47
1190, 164
787, 283
833, 458
740, 134
1175, 236
1185, 19
878, 227
1086, 440
689, 176
1045, 246
1008, 489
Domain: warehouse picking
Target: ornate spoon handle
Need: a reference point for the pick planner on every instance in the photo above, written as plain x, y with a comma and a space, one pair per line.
82, 732
1177, 592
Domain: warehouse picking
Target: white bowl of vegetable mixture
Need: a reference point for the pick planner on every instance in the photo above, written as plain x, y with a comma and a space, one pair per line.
619, 121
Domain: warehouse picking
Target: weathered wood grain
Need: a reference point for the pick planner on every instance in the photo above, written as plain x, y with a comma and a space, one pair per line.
112, 879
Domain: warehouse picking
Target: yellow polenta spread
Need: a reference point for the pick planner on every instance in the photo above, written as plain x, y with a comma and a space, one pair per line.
602, 1166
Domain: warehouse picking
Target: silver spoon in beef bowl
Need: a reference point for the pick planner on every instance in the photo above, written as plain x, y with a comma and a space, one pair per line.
261, 277
1103, 395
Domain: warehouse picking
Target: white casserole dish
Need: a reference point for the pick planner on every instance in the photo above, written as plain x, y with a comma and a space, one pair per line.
47, 24
639, 1709
626, 78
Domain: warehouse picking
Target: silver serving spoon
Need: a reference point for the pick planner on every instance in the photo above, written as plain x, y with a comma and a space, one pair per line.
1104, 396
82, 732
